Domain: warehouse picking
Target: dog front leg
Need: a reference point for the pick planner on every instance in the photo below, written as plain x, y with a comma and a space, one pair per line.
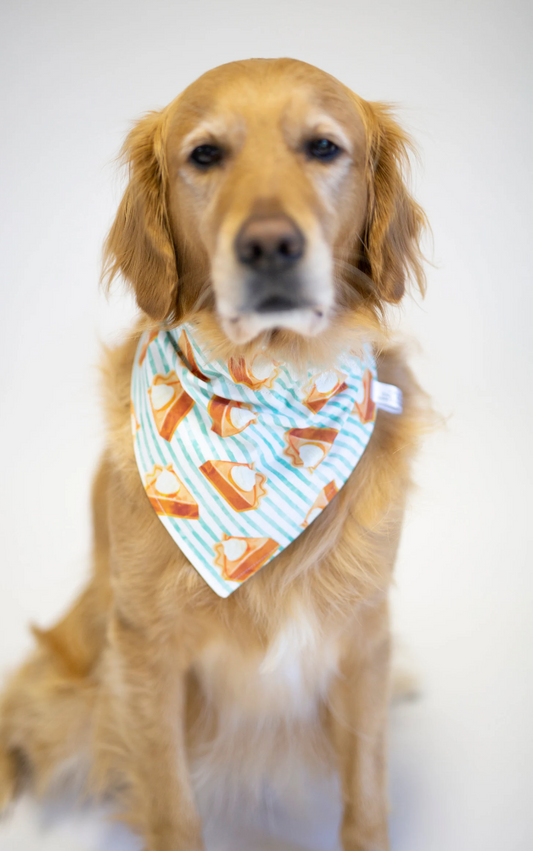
146, 694
359, 702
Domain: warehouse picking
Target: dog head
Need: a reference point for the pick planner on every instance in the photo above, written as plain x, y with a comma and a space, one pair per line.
269, 196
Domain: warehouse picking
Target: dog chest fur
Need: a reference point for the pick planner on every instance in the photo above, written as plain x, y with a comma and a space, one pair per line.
285, 680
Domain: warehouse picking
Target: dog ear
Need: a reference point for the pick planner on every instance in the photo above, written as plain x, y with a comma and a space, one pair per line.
395, 222
139, 244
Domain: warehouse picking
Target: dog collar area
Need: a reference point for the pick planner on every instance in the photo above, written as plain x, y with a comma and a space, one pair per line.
239, 457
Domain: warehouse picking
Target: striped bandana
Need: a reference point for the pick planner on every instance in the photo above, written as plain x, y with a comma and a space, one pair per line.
237, 458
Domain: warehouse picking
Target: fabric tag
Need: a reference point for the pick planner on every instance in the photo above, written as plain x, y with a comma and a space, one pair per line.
388, 397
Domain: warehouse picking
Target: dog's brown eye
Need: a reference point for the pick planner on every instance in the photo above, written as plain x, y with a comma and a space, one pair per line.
323, 149
206, 155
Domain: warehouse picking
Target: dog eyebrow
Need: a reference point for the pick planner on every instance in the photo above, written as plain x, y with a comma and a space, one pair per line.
212, 130
325, 126
200, 135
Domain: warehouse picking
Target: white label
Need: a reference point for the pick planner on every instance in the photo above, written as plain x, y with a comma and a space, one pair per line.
387, 397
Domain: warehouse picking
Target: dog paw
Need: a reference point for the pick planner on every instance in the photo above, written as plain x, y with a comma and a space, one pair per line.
8, 780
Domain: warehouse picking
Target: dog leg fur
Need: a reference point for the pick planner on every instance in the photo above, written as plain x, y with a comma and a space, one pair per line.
144, 710
359, 706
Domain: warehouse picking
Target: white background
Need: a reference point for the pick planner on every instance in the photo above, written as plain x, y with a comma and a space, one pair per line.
73, 77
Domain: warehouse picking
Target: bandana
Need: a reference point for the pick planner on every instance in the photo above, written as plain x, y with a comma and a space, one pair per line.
238, 458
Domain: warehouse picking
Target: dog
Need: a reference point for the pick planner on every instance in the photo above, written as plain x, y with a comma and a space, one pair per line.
267, 213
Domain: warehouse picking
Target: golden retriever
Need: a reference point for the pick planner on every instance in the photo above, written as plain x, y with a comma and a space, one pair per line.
151, 683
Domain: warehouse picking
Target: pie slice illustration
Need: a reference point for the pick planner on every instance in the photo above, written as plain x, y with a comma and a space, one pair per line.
260, 372
323, 387
170, 403
307, 447
239, 484
168, 494
229, 417
188, 353
366, 410
324, 498
239, 558
135, 425
151, 337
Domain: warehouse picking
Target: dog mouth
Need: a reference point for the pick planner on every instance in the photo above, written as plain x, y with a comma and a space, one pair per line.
275, 314
277, 303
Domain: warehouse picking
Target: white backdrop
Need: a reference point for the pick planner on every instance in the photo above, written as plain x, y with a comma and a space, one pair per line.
73, 77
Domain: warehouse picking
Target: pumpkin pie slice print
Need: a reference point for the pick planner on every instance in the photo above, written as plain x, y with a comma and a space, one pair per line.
324, 498
239, 484
168, 494
170, 403
239, 558
366, 410
135, 425
151, 337
307, 447
188, 353
257, 374
229, 417
322, 388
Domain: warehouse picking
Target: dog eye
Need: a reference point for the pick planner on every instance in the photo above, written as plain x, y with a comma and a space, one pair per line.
206, 155
323, 149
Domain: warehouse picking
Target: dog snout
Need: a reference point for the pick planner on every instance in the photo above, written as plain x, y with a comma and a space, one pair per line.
269, 245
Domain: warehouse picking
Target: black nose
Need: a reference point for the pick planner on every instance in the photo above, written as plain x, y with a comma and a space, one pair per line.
269, 244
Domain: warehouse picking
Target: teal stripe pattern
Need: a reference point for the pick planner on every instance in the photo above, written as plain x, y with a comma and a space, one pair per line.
238, 458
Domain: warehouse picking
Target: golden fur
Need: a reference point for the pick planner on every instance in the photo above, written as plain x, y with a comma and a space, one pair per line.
151, 684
